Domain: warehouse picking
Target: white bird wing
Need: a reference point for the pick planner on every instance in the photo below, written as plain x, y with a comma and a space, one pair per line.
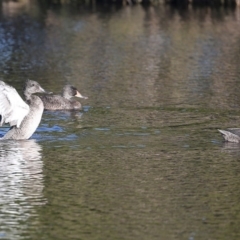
12, 108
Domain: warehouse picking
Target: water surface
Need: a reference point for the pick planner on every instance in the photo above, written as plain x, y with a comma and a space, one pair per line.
143, 159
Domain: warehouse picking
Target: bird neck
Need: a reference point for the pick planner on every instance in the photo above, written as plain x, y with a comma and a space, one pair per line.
27, 95
66, 95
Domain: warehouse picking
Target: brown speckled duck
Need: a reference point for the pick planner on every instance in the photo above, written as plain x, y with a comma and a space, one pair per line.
64, 101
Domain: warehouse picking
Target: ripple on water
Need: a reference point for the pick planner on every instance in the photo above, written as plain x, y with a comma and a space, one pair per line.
21, 185
129, 146
102, 129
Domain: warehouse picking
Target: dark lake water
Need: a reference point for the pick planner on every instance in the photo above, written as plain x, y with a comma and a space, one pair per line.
143, 159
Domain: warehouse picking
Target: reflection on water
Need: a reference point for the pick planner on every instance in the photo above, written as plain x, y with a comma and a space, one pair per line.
231, 148
14, 8
21, 185
57, 126
144, 160
125, 57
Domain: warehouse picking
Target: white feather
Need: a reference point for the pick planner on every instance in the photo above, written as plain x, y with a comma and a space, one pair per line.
230, 136
12, 107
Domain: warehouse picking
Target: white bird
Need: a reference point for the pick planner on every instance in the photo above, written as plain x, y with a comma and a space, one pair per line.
23, 117
231, 134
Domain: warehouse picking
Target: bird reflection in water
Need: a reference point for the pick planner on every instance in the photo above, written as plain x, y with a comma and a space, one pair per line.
21, 185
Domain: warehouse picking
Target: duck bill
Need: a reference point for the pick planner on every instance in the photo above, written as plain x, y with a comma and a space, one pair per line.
80, 95
41, 90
